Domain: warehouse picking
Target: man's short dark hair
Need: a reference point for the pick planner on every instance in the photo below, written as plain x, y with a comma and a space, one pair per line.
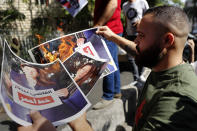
173, 15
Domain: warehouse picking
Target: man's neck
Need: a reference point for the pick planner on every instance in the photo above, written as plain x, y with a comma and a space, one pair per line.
168, 63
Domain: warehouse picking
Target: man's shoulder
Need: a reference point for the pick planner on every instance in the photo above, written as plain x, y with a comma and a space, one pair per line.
182, 89
180, 81
169, 107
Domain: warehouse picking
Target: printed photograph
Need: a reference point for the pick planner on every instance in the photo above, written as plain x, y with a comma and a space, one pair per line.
47, 88
85, 70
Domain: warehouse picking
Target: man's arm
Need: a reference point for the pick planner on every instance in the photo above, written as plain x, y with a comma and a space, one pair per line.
107, 13
128, 46
80, 124
40, 123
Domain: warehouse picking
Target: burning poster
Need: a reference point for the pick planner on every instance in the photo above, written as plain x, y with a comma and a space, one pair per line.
85, 70
63, 47
49, 51
47, 88
73, 6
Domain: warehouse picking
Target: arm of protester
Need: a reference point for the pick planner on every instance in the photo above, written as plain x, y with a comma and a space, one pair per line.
40, 123
80, 124
192, 47
107, 13
128, 46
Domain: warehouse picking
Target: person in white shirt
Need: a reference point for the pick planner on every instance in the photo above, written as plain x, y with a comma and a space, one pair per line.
133, 11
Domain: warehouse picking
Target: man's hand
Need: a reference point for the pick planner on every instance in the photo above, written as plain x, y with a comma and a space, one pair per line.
191, 44
40, 123
80, 124
192, 47
106, 32
127, 45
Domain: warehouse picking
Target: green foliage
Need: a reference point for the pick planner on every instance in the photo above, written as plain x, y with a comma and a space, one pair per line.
191, 11
153, 3
55, 16
8, 16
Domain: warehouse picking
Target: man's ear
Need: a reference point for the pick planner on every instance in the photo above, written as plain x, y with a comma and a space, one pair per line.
169, 39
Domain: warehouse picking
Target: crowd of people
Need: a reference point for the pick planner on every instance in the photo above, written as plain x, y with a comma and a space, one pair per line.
155, 38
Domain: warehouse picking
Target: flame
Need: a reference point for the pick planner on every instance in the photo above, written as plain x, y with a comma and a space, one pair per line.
66, 48
48, 55
39, 38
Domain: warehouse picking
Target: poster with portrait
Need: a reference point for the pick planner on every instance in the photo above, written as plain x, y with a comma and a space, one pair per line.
47, 88
73, 6
85, 70
64, 46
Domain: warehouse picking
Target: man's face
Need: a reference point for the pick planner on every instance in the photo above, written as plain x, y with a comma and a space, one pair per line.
149, 43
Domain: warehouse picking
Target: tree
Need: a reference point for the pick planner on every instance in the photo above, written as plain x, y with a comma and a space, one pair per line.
54, 17
190, 9
9, 16
153, 3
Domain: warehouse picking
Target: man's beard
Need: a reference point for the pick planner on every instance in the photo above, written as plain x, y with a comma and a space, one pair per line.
149, 57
